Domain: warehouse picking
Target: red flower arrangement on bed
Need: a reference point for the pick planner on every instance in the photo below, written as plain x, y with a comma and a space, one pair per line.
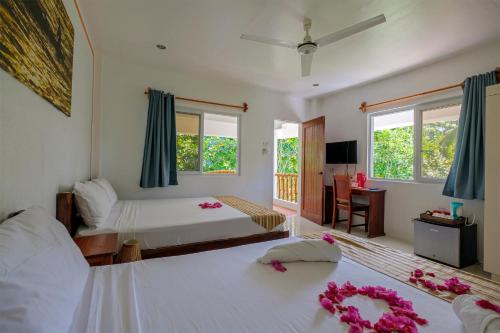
401, 318
207, 204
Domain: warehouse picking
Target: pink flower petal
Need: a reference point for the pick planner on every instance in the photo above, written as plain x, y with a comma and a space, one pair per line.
401, 319
206, 205
419, 273
455, 286
327, 304
277, 265
328, 238
485, 304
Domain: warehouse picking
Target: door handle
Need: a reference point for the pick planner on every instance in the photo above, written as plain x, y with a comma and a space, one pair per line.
320, 173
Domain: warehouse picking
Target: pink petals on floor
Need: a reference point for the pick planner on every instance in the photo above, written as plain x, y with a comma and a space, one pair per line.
277, 265
401, 317
328, 238
452, 285
488, 305
206, 204
455, 286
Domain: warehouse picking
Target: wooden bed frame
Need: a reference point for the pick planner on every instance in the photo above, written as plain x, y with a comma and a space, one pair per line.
66, 214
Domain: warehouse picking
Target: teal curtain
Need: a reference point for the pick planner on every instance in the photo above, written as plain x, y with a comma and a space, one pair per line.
159, 160
466, 177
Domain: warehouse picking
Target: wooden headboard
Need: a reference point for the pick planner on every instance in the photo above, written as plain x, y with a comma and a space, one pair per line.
66, 211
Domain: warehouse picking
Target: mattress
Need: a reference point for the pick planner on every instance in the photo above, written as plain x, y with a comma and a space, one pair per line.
165, 222
228, 291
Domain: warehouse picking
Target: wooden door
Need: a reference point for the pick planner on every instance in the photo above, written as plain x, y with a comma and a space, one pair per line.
313, 161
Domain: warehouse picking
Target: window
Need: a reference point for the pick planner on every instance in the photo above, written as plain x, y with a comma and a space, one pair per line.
207, 142
188, 141
392, 148
414, 144
437, 145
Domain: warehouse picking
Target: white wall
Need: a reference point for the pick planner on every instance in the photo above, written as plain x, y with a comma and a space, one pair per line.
41, 150
123, 124
345, 122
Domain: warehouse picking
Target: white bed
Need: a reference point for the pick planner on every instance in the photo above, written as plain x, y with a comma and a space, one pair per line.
165, 222
51, 288
228, 291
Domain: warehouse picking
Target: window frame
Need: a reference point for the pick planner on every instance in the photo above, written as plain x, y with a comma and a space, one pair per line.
371, 117
201, 135
418, 110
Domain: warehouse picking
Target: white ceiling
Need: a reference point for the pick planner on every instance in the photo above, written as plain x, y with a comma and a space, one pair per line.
202, 36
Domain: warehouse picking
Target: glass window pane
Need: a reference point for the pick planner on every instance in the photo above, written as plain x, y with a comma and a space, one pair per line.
439, 135
220, 144
392, 146
188, 141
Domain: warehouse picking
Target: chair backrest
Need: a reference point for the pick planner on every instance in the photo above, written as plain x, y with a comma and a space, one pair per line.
342, 184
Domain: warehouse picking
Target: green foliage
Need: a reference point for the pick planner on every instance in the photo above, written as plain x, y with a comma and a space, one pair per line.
187, 152
393, 153
288, 150
219, 153
438, 147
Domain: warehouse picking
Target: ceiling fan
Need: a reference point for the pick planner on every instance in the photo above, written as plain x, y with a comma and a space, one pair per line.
307, 47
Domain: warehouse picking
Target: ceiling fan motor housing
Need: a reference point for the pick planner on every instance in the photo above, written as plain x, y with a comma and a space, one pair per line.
307, 47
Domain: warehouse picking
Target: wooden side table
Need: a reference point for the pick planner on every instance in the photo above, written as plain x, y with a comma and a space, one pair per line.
99, 250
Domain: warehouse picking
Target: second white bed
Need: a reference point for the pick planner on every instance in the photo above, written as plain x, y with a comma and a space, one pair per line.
165, 222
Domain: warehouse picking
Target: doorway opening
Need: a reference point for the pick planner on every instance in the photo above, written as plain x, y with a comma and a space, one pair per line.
286, 167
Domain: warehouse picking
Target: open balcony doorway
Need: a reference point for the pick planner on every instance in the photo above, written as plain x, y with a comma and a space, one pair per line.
286, 185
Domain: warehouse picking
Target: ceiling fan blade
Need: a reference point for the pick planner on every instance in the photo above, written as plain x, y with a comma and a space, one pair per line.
306, 62
271, 41
349, 31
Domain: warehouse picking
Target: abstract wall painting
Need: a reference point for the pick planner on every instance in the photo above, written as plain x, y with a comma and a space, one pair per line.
36, 47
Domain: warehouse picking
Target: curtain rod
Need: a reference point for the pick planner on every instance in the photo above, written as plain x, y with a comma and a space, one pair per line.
364, 106
243, 107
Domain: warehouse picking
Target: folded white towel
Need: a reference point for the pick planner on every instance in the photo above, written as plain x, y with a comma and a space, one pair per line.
475, 318
303, 250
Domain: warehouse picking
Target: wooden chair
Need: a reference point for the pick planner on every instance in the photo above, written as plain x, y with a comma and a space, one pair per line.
342, 199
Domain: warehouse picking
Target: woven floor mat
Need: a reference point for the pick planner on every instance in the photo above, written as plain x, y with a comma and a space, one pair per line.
399, 265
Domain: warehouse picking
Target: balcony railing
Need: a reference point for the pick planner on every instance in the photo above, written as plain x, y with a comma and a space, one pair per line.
287, 186
221, 172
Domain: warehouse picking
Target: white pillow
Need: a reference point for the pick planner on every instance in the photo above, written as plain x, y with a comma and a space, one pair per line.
92, 203
42, 274
106, 186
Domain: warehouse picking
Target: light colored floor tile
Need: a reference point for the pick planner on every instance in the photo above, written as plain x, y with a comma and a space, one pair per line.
285, 211
297, 225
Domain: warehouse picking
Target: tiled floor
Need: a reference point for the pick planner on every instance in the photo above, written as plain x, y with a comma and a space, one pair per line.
285, 211
297, 225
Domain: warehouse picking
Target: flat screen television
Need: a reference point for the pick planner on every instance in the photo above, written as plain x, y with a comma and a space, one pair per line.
345, 152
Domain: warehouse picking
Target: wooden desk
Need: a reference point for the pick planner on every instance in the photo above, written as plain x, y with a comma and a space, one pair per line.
376, 199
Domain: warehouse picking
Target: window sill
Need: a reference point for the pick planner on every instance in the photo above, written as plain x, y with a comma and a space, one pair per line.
196, 173
420, 181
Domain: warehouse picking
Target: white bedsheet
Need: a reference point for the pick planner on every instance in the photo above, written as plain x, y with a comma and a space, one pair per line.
228, 291
165, 222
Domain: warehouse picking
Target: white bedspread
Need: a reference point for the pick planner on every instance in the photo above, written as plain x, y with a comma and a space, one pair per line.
165, 222
228, 291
